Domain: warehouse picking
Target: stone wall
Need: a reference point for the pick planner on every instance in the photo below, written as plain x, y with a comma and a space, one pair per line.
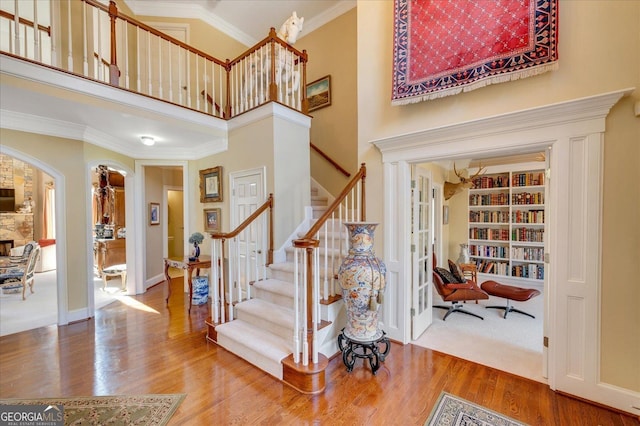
18, 175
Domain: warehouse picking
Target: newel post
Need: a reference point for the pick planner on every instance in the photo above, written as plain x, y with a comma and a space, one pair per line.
305, 100
227, 107
363, 198
114, 72
273, 87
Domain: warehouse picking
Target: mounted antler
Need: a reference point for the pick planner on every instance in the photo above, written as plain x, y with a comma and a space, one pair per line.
451, 189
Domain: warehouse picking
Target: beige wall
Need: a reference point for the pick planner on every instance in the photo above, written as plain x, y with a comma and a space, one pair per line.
594, 36
282, 148
332, 51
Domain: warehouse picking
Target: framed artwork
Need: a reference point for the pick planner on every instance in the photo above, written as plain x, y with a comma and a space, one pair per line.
319, 93
211, 185
154, 214
212, 220
445, 215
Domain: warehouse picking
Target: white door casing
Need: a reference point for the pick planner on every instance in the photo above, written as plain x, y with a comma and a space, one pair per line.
575, 131
421, 251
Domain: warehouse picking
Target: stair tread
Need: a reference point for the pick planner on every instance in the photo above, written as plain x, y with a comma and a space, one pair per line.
267, 344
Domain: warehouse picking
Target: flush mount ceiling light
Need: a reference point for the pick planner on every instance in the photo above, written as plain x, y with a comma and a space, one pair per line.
147, 140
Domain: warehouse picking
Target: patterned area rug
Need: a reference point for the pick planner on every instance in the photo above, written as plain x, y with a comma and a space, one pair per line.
152, 410
451, 410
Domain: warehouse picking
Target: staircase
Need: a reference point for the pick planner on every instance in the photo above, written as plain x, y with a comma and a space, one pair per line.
262, 331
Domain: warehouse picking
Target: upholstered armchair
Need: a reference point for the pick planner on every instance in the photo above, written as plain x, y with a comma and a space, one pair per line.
455, 292
20, 255
20, 275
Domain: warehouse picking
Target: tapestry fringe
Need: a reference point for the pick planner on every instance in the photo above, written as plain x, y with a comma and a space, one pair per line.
511, 76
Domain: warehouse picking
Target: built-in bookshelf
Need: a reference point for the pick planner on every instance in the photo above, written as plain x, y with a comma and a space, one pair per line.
506, 223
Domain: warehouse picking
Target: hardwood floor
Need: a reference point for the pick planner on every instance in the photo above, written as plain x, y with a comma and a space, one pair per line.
142, 346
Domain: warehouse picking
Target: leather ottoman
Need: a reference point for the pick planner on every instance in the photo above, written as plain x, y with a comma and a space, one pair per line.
509, 292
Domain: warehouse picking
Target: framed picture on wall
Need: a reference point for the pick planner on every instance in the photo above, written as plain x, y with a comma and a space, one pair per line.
319, 93
212, 220
154, 214
211, 185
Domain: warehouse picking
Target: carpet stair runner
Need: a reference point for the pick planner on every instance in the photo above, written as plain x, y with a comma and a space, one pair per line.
262, 329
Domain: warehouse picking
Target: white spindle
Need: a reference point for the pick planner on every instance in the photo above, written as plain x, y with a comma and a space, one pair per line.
85, 47
205, 89
16, 33
220, 79
150, 83
69, 38
36, 34
296, 306
53, 36
180, 91
198, 82
303, 310
138, 61
315, 303
187, 79
125, 33
160, 85
213, 88
214, 282
101, 75
170, 73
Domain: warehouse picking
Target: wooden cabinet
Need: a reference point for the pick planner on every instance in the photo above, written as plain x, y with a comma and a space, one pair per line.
109, 252
506, 224
119, 210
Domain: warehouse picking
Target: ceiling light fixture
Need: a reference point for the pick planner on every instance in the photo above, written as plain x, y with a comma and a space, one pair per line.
147, 140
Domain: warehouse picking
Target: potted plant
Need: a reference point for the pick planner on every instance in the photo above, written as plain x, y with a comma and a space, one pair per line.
196, 239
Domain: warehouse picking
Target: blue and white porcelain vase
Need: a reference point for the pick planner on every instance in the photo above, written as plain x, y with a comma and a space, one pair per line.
362, 279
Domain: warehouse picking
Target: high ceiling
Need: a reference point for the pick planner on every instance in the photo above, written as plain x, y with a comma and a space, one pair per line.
248, 21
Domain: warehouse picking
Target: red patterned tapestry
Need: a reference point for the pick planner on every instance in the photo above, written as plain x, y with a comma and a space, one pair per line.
444, 47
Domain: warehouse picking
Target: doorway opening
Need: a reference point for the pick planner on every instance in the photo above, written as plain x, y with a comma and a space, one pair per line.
492, 219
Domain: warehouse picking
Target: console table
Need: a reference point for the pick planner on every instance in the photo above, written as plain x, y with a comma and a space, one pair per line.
188, 265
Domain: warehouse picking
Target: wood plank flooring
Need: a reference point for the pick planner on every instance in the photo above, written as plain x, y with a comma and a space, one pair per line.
143, 346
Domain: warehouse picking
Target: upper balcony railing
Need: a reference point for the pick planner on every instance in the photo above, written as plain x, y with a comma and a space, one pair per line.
95, 41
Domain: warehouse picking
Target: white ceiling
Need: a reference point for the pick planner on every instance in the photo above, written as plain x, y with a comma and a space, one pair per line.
247, 21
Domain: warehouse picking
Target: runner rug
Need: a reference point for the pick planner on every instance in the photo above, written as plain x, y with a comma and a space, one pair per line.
152, 410
444, 47
451, 410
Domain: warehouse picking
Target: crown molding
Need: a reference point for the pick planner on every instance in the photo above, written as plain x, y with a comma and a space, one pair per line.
592, 110
328, 15
173, 9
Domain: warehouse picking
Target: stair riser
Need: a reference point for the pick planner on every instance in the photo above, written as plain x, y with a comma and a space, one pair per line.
252, 356
275, 298
337, 259
283, 275
265, 324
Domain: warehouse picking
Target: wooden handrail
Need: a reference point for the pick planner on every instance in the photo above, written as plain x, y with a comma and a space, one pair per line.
272, 37
24, 21
330, 160
362, 174
157, 33
227, 235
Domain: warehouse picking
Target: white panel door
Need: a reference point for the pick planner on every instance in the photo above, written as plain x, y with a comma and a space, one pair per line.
247, 195
421, 248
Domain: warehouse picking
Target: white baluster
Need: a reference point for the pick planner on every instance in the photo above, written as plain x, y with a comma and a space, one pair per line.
126, 53
160, 85
69, 37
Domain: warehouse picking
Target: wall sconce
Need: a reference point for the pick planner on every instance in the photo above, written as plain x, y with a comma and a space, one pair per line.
147, 140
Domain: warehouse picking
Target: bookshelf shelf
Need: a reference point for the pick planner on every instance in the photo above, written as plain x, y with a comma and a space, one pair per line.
506, 224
